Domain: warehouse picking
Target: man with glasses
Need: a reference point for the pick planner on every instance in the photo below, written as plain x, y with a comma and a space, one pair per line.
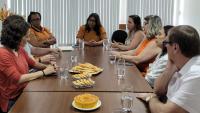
181, 80
39, 36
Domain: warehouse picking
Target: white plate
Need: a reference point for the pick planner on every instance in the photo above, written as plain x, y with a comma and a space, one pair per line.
87, 109
66, 48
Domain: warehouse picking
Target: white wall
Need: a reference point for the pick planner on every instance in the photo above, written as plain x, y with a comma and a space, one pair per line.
122, 12
189, 13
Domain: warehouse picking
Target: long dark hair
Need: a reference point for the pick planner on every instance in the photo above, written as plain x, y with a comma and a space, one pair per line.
137, 21
97, 21
14, 28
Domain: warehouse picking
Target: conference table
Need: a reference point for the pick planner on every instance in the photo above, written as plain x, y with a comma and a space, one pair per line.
55, 95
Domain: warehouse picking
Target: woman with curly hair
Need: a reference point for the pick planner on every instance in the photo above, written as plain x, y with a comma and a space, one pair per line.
92, 33
15, 62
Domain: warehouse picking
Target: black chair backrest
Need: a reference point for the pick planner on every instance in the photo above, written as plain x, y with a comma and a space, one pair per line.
119, 36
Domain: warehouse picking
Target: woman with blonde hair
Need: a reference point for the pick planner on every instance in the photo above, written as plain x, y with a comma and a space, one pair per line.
147, 49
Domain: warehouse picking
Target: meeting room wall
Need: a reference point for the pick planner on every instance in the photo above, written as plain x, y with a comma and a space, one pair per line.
162, 8
188, 13
64, 17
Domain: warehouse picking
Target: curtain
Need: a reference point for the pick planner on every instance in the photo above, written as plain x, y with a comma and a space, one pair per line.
162, 8
64, 17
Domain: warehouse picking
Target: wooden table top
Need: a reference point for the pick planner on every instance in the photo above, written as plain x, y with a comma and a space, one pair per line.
61, 102
105, 82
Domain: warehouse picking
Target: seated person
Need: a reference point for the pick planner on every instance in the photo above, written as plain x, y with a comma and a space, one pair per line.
119, 36
39, 36
15, 62
181, 78
135, 36
42, 55
92, 32
158, 66
147, 49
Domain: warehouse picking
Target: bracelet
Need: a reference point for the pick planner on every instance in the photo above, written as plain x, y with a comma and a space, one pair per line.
43, 73
39, 60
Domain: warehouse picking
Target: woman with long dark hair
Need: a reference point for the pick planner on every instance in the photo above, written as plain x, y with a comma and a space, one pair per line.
135, 35
92, 33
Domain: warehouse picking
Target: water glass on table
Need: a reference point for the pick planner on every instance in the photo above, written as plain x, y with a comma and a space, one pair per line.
121, 68
81, 44
106, 45
62, 72
127, 98
74, 60
112, 58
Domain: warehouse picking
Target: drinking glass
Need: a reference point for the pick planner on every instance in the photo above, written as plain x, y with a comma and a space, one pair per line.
112, 58
74, 60
121, 68
127, 98
81, 44
62, 72
106, 45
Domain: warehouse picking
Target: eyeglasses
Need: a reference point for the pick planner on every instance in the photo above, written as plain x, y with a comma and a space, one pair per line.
166, 42
37, 19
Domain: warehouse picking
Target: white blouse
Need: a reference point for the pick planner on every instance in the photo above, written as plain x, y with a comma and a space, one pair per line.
156, 68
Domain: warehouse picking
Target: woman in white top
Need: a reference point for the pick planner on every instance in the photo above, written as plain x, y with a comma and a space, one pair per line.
158, 66
135, 35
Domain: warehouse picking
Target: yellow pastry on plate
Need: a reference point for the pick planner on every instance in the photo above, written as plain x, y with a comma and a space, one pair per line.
81, 75
83, 83
86, 67
86, 100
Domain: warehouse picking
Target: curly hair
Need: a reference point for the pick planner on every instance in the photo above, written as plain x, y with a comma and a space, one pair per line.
97, 21
14, 28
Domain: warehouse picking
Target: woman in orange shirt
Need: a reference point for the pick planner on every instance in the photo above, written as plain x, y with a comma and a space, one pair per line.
147, 49
92, 32
39, 36
15, 62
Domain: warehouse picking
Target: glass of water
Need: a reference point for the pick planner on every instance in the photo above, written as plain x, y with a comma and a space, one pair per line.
106, 45
127, 98
81, 44
62, 72
112, 58
74, 60
121, 68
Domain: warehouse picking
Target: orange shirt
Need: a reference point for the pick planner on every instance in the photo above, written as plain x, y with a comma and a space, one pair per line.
38, 35
90, 36
143, 45
11, 69
144, 65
